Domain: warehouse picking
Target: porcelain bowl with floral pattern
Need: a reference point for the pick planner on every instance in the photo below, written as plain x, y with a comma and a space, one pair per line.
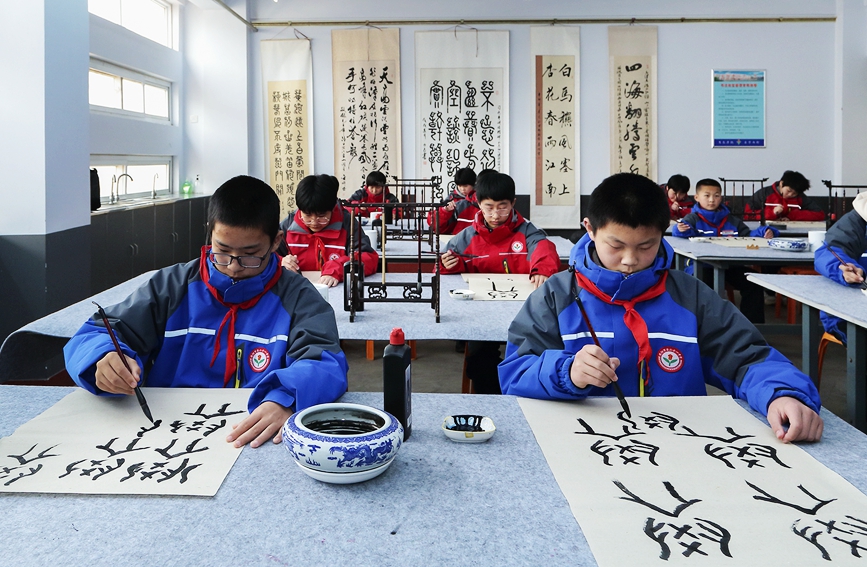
340, 438
789, 244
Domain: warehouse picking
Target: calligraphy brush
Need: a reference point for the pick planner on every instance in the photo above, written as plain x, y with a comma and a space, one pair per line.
138, 394
455, 253
617, 389
831, 250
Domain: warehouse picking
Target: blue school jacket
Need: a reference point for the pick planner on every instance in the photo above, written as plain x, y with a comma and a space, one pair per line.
696, 338
291, 353
721, 223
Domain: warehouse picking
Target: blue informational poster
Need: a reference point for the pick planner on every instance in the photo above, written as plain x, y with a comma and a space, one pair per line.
738, 109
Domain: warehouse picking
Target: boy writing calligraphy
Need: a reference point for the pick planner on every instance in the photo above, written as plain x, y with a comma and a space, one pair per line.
231, 316
662, 332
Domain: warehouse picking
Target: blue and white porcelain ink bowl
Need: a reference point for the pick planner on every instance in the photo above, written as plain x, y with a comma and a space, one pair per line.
789, 244
342, 443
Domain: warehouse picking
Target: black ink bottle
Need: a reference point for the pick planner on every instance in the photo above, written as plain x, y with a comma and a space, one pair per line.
397, 380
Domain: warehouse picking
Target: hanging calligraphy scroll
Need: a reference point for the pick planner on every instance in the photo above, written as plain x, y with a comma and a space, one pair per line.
695, 481
632, 76
287, 74
462, 97
366, 83
556, 203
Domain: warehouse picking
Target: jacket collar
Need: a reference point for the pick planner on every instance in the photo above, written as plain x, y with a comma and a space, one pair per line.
331, 231
618, 286
716, 216
239, 291
502, 232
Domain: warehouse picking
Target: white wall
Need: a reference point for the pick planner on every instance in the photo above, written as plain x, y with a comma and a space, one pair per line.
799, 59
44, 166
214, 44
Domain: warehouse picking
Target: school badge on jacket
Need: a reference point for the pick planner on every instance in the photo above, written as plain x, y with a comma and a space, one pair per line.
259, 359
669, 359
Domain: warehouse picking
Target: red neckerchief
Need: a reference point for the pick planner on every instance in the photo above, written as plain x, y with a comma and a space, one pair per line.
634, 322
231, 363
718, 227
783, 201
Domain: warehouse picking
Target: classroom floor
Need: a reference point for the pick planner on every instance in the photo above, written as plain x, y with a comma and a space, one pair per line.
438, 366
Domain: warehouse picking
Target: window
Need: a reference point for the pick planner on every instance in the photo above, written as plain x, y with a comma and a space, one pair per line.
113, 87
148, 18
132, 177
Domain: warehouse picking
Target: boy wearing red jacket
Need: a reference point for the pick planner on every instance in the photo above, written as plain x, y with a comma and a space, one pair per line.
784, 201
461, 206
375, 191
679, 202
317, 234
500, 240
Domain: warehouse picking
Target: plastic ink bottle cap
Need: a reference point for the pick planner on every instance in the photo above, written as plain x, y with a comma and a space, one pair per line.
396, 337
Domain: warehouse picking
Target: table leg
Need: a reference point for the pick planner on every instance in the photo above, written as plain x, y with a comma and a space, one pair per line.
856, 375
678, 262
811, 334
719, 281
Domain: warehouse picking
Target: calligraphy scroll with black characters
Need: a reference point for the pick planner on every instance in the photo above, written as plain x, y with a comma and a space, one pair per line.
462, 101
287, 74
88, 444
366, 83
632, 79
695, 481
556, 57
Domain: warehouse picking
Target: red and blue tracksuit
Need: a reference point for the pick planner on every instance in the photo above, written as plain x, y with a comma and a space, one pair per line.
326, 251
799, 208
184, 327
515, 247
365, 196
692, 337
452, 222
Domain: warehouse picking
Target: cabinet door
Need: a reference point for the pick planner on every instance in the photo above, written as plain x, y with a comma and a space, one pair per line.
164, 237
181, 231
99, 254
198, 225
118, 247
143, 240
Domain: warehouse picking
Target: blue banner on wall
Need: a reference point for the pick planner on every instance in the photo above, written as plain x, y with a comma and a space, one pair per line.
738, 109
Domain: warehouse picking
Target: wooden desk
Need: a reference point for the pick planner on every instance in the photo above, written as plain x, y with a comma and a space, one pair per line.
818, 293
440, 503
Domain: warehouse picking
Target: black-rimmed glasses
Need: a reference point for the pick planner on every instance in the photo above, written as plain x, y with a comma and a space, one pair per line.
222, 259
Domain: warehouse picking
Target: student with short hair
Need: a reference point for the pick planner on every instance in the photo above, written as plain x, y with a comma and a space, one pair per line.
317, 235
710, 217
848, 238
679, 201
186, 325
375, 190
785, 200
461, 207
662, 332
500, 240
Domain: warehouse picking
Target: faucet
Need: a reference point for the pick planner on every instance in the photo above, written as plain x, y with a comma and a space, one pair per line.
112, 199
154, 186
117, 198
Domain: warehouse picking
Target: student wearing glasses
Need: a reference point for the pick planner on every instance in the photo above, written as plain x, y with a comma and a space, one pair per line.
499, 241
317, 234
232, 317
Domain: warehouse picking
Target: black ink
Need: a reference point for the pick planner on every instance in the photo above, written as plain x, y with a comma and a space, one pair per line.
220, 412
684, 504
774, 500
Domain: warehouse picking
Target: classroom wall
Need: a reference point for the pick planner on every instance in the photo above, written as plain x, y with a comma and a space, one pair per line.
799, 59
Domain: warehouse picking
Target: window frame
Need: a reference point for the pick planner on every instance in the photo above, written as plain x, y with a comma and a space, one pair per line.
100, 66
124, 161
171, 36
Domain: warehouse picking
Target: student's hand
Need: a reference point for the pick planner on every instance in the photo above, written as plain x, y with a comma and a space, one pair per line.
290, 262
264, 423
330, 281
592, 367
769, 233
804, 424
450, 206
537, 280
852, 274
675, 207
113, 377
449, 260
682, 226
778, 210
